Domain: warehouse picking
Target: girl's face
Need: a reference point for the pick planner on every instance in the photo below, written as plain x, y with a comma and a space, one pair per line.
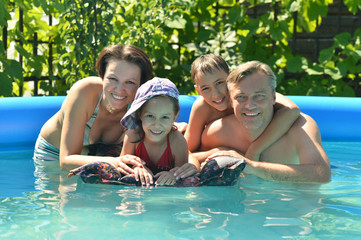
120, 83
157, 118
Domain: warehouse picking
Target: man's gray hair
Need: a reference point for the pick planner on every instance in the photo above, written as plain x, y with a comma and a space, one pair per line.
248, 68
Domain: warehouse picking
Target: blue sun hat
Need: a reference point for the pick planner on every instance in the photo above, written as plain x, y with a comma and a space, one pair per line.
154, 87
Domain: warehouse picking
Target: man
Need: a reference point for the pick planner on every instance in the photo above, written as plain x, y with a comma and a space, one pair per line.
298, 156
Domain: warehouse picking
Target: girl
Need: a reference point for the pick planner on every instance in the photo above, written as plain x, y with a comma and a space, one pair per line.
152, 135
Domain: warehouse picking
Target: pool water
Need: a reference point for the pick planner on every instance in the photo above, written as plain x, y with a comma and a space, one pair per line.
49, 206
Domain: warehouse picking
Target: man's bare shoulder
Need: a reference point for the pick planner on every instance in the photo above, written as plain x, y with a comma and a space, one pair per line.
305, 128
224, 132
305, 123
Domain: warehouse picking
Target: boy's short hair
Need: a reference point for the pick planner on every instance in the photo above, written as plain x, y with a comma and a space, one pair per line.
248, 68
208, 64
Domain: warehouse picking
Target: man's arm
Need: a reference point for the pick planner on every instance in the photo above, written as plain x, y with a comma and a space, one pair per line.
314, 164
286, 113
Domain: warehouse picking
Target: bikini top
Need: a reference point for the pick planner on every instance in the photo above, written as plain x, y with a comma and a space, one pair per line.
165, 163
90, 123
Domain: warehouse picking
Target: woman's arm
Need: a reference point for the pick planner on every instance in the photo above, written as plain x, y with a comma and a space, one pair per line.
286, 113
78, 107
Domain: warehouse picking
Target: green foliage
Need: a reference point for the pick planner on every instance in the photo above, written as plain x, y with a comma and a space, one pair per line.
173, 33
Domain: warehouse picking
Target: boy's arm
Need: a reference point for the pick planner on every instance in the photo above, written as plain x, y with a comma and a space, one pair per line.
286, 113
197, 121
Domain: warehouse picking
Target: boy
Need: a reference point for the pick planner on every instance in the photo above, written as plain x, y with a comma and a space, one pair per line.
209, 73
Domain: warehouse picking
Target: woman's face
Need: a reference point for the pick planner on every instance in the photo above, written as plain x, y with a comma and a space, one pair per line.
120, 83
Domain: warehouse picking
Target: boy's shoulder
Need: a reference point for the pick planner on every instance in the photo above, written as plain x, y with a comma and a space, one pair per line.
200, 105
206, 111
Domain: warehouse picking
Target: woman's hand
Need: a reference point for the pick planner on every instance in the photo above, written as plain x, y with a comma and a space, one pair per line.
122, 162
165, 178
142, 174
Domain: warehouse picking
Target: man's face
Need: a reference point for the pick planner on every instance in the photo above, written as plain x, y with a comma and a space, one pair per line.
252, 100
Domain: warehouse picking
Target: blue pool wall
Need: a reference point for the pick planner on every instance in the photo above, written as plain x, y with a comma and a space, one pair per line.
21, 118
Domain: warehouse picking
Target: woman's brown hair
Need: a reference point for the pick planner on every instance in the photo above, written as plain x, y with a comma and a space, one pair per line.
129, 53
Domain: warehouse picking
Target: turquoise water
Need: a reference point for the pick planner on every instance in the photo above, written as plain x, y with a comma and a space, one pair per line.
50, 206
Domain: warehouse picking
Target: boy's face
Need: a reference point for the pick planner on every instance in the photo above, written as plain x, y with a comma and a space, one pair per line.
213, 88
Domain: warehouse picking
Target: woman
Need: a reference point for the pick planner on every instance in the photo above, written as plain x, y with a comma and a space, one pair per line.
92, 111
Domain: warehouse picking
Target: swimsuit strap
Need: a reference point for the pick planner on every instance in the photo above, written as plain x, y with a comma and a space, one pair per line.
90, 122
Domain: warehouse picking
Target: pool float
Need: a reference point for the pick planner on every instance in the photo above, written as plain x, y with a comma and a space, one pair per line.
219, 171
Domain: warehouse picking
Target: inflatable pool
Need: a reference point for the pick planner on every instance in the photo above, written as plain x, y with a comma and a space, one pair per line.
37, 205
22, 117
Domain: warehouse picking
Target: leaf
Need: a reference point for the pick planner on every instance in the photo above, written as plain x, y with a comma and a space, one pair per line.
295, 6
353, 5
315, 70
342, 39
234, 14
4, 15
6, 85
342, 68
351, 65
333, 72
317, 90
203, 35
177, 23
326, 55
14, 69
343, 90
317, 10
294, 64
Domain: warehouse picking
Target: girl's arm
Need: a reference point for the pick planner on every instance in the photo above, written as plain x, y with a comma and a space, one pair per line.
179, 149
286, 113
128, 144
141, 173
